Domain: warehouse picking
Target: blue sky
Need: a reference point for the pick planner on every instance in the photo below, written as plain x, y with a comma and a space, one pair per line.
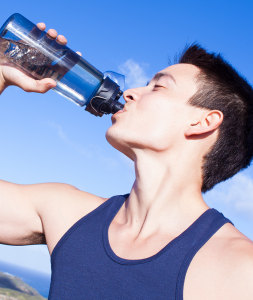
46, 138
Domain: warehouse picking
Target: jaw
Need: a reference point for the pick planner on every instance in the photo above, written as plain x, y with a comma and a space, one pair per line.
132, 142
117, 142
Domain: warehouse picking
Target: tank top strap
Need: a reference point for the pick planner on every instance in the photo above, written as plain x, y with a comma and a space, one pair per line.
198, 234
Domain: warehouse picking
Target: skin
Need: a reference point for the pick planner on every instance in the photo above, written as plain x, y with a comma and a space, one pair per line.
165, 199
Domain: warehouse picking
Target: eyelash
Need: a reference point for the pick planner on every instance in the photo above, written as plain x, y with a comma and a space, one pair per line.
157, 86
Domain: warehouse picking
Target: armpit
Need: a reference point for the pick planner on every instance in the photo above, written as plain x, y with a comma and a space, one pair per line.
35, 238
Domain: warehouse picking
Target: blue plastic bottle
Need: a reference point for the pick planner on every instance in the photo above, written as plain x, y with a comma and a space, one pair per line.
27, 47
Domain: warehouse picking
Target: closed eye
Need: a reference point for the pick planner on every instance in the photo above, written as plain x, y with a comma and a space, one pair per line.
158, 86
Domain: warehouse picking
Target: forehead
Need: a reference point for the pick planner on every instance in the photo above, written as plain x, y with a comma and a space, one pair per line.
183, 73
185, 76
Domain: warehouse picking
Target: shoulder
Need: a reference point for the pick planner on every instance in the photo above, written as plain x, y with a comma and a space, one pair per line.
223, 268
60, 206
60, 195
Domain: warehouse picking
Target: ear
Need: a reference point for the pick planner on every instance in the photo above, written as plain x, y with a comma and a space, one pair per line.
207, 122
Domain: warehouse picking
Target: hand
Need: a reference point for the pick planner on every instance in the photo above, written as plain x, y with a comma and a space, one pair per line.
11, 76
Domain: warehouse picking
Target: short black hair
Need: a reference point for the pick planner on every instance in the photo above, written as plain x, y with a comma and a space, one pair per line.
220, 87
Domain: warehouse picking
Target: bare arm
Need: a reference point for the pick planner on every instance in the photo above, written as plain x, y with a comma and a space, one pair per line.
20, 222
40, 213
17, 210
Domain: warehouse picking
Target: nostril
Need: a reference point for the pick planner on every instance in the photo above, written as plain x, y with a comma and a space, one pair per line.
128, 98
129, 95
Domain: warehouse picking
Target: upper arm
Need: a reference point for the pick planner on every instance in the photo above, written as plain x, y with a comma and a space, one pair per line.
19, 220
40, 213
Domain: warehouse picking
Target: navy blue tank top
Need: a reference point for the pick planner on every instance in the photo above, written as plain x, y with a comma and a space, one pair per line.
85, 267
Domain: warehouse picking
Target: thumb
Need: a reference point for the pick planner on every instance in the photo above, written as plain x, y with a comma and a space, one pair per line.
44, 85
37, 86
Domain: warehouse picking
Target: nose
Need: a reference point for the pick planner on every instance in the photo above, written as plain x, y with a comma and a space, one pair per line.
132, 95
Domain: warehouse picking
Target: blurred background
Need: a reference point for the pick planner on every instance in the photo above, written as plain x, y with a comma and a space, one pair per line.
46, 138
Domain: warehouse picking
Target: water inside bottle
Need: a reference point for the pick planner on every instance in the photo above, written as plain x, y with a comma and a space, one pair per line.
75, 83
20, 53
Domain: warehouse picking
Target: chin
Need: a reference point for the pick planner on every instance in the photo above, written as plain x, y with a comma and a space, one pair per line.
113, 136
116, 139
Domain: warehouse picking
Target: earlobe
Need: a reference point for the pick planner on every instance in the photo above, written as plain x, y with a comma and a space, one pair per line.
209, 121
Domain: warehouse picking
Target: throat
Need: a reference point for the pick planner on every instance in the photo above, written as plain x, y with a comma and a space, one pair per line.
136, 232
125, 247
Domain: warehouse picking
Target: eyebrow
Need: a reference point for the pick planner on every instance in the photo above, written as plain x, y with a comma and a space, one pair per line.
162, 74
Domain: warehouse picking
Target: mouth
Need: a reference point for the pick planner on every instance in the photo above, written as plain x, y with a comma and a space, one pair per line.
118, 113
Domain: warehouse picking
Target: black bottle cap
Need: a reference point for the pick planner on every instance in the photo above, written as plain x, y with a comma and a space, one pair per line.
106, 99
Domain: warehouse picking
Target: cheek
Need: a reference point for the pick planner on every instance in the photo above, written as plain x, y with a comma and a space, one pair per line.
160, 117
151, 124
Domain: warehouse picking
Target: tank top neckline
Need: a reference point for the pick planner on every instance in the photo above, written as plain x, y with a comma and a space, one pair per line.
120, 201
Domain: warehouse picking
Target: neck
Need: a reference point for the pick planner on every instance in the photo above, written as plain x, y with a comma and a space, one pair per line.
166, 194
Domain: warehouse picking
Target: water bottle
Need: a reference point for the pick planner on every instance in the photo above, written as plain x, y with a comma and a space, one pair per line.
30, 49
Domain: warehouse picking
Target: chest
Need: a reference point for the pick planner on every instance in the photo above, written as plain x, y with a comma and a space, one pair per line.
206, 275
125, 247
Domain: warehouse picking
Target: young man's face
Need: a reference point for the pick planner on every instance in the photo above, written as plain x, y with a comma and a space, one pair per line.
155, 116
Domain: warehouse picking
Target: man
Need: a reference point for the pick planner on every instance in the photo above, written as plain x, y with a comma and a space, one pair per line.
188, 129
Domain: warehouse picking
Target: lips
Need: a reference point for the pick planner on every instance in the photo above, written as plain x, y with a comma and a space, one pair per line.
124, 108
121, 111
118, 112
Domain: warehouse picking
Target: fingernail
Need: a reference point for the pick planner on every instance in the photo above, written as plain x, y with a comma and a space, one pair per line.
49, 85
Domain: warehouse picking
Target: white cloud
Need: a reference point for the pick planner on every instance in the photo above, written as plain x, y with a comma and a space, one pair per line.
235, 194
62, 135
90, 151
135, 73
59, 131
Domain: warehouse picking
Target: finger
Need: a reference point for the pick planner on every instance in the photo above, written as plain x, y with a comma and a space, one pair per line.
41, 26
52, 33
79, 53
45, 85
37, 86
62, 40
